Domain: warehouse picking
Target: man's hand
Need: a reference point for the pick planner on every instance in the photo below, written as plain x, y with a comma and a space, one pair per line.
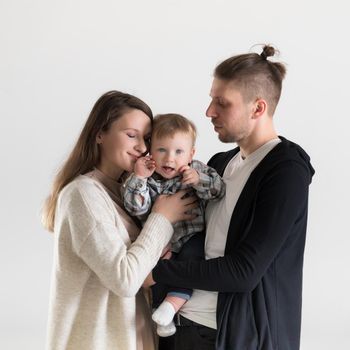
144, 167
190, 176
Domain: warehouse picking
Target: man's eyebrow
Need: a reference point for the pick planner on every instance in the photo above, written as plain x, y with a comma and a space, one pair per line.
216, 98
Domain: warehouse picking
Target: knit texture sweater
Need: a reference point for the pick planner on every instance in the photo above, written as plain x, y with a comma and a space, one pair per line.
98, 270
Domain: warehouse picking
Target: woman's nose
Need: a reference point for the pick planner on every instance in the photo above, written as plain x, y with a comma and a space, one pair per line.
141, 147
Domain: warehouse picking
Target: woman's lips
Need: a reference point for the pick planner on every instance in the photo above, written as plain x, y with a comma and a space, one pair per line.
135, 158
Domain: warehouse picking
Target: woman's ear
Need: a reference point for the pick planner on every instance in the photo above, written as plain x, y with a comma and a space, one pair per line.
99, 138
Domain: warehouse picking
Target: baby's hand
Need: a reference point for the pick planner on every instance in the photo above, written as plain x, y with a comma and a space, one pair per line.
190, 176
144, 167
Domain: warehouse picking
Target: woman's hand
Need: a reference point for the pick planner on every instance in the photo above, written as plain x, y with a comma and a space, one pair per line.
149, 281
166, 253
174, 207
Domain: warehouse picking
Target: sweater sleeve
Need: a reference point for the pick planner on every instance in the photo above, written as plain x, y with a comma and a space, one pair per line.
281, 203
98, 238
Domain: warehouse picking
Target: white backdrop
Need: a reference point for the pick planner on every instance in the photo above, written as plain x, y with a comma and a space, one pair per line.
58, 57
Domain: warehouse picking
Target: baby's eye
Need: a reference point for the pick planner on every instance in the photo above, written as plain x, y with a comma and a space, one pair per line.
179, 151
161, 149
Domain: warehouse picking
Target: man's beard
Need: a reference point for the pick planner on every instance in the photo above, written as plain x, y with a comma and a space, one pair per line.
239, 135
228, 138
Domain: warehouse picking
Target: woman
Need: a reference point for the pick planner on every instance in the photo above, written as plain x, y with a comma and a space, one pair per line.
101, 257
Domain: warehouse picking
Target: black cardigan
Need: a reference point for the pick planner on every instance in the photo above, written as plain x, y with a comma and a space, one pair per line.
259, 279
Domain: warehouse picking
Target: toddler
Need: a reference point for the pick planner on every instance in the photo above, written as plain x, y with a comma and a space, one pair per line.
168, 169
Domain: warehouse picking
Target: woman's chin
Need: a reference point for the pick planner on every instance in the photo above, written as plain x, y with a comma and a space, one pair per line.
128, 166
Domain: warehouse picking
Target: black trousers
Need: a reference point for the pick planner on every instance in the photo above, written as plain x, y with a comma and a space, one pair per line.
193, 249
189, 336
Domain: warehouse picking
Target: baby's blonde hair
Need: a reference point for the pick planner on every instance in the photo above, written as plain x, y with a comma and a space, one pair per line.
165, 125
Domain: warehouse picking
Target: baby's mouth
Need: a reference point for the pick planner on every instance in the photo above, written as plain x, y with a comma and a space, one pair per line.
168, 169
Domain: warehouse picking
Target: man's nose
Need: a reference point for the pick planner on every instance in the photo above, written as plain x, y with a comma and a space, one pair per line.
210, 112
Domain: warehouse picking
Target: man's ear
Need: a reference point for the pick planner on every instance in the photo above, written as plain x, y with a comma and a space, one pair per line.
260, 107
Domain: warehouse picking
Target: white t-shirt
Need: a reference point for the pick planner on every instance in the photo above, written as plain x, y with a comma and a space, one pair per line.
201, 308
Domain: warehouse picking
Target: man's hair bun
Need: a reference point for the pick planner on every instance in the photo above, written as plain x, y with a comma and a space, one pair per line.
268, 51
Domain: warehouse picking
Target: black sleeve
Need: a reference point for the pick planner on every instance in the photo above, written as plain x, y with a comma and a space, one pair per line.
281, 202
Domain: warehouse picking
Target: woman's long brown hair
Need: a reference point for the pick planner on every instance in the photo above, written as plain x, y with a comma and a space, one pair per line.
85, 154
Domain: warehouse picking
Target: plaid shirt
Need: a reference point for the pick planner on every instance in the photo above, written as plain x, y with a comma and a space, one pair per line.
140, 194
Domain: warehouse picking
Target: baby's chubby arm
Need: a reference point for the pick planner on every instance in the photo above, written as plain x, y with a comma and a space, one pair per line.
207, 183
137, 199
190, 176
144, 167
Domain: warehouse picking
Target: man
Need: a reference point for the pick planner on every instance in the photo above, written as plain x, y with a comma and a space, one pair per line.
248, 291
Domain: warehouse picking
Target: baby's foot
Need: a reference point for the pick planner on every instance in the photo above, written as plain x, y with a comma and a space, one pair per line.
166, 331
164, 314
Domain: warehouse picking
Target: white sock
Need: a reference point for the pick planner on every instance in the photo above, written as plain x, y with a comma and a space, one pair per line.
164, 314
166, 331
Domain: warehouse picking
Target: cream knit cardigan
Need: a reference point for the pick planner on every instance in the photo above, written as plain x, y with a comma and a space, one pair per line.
97, 271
